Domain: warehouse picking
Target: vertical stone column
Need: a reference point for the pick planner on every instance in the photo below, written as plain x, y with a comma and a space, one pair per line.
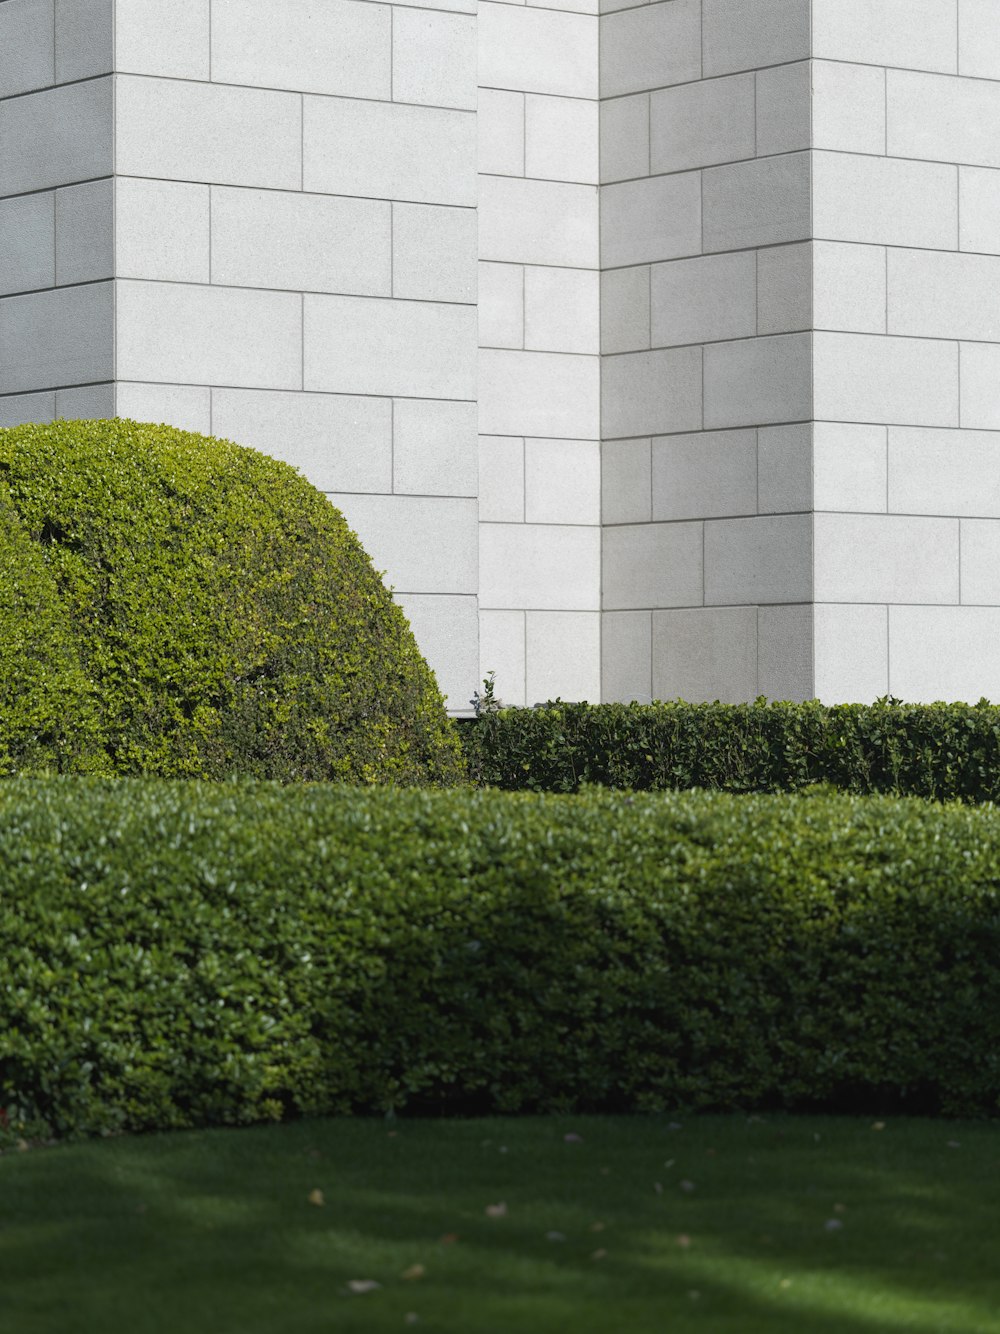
906, 186
706, 372
56, 239
539, 364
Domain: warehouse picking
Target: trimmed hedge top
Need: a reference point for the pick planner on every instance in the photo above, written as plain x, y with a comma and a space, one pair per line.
181, 954
177, 605
941, 751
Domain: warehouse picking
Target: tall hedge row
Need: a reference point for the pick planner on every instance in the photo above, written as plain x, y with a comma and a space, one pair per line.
941, 751
184, 954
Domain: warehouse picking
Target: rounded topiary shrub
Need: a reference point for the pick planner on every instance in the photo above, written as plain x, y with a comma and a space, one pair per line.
177, 605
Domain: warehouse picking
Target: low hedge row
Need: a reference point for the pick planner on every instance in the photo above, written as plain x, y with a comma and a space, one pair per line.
942, 751
184, 954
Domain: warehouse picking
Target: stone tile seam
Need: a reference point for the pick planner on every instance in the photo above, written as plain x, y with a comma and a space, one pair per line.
216, 285
774, 245
259, 389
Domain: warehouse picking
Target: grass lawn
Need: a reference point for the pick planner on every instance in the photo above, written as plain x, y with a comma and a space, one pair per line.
640, 1226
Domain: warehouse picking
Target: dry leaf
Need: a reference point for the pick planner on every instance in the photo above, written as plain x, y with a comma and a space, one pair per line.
496, 1210
785, 1283
23, 1146
878, 1125
605, 1171
840, 1208
598, 1254
414, 1271
362, 1285
597, 1227
954, 1144
411, 1318
572, 1138
687, 1187
694, 1294
449, 1239
391, 1134
502, 1149
683, 1241
316, 1197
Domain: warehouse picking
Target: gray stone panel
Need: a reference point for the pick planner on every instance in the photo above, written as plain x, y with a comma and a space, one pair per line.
17, 409
85, 249
27, 243
56, 137
751, 34
28, 45
84, 39
57, 338
90, 402
702, 654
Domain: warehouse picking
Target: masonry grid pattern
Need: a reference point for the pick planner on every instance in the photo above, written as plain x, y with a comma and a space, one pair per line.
539, 336
737, 394
256, 219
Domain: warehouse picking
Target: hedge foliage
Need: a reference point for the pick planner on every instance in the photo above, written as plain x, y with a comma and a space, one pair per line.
180, 954
176, 605
942, 751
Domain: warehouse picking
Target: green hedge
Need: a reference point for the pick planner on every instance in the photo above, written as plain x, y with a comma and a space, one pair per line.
942, 751
177, 605
184, 954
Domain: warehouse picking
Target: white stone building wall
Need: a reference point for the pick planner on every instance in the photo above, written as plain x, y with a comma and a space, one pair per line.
539, 334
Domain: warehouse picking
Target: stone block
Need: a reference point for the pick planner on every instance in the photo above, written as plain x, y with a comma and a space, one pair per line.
56, 137
751, 34
885, 558
851, 645
501, 651
500, 123
562, 310
501, 305
784, 288
85, 232
626, 481
423, 544
703, 300
848, 107
979, 208
446, 629
27, 40
433, 58
785, 653
625, 138
382, 150
849, 468
516, 222
944, 653
537, 50
412, 349
652, 46
647, 220
934, 294
561, 139
979, 379
884, 201
652, 565
704, 476
849, 287
651, 393
501, 479
27, 243
186, 406
341, 47
339, 442
944, 472
540, 567
169, 38
702, 654
187, 334
912, 34
435, 448
942, 119
700, 124
433, 253
540, 394
765, 202
758, 560
162, 230
758, 381
625, 309
562, 481
894, 381
84, 39
627, 657
784, 108
785, 468
563, 656
58, 338
215, 133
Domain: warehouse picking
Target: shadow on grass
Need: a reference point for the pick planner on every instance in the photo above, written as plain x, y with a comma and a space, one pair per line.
722, 1225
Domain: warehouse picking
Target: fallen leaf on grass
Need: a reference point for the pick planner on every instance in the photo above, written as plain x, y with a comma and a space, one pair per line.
316, 1197
572, 1138
362, 1285
687, 1187
598, 1254
785, 1283
840, 1208
954, 1144
496, 1210
411, 1318
683, 1241
414, 1271
449, 1239
597, 1227
878, 1125
23, 1146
